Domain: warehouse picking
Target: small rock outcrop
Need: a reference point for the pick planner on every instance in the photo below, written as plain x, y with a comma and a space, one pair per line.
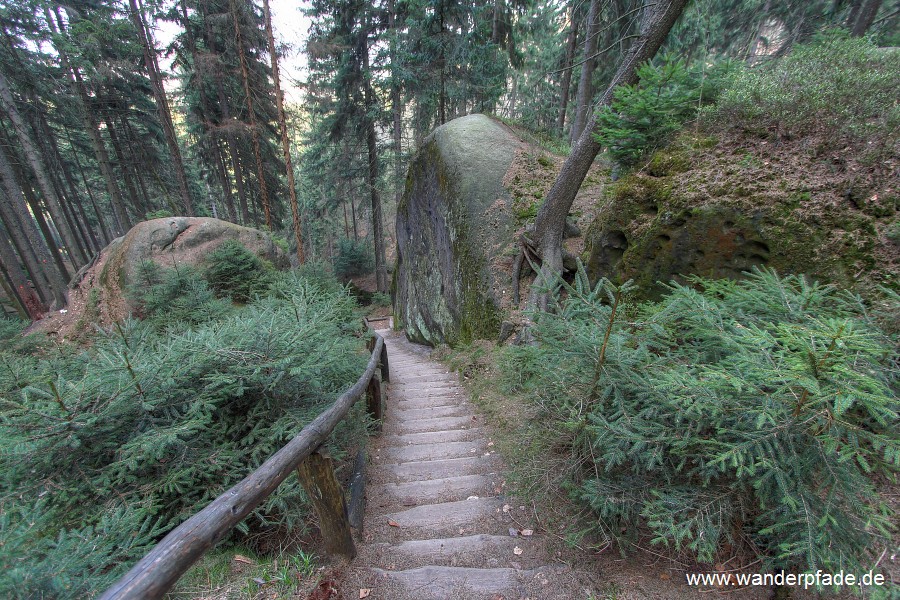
718, 209
452, 222
171, 241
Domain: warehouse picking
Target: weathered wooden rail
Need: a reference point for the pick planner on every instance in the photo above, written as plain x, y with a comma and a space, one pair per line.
158, 571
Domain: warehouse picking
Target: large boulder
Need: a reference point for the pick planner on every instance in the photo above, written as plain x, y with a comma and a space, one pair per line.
453, 221
169, 242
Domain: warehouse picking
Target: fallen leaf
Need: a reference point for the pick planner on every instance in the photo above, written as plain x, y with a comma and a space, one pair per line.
364, 593
527, 532
242, 559
665, 576
490, 443
518, 551
393, 523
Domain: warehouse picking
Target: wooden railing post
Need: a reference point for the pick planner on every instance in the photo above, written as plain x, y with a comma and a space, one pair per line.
327, 496
374, 405
385, 370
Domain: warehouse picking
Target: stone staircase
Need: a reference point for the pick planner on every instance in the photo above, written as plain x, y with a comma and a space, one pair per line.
437, 525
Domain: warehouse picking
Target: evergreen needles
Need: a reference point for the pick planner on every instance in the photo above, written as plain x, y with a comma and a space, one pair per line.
108, 449
758, 412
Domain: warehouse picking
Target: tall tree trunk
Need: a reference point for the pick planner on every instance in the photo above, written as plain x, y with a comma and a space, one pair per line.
14, 212
53, 162
396, 103
589, 62
121, 221
17, 305
571, 43
104, 230
251, 115
27, 294
443, 65
865, 17
136, 158
224, 181
381, 278
81, 221
151, 63
285, 140
551, 218
136, 206
7, 104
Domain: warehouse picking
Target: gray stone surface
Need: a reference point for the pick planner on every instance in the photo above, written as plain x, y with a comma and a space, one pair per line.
450, 226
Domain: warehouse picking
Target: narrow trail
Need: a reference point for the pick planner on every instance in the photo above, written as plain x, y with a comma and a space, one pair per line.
437, 525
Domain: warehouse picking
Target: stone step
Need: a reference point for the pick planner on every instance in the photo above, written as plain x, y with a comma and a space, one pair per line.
462, 583
446, 514
427, 377
406, 415
425, 399
448, 489
436, 424
429, 403
422, 452
432, 437
437, 469
484, 551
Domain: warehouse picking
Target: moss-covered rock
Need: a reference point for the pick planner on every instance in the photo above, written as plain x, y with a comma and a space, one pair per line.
453, 220
718, 212
170, 242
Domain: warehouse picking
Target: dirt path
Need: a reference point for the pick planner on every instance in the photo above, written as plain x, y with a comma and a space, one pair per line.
437, 524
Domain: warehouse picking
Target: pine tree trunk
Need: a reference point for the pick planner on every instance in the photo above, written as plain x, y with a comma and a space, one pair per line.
27, 295
151, 64
14, 212
396, 104
551, 218
75, 203
251, 115
104, 230
136, 206
443, 65
571, 43
121, 221
7, 103
381, 277
589, 61
53, 162
224, 181
135, 159
14, 301
865, 17
285, 140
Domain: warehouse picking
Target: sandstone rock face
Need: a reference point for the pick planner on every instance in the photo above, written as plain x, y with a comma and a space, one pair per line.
169, 242
453, 219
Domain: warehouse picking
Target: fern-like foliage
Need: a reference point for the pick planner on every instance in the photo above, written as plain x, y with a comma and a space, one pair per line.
728, 412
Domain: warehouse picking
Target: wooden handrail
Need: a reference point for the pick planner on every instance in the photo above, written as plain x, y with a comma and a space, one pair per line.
158, 571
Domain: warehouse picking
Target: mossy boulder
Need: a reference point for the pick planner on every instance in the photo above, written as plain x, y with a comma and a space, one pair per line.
718, 212
453, 221
170, 242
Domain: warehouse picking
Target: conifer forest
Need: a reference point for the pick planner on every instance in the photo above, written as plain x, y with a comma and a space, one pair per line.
646, 253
